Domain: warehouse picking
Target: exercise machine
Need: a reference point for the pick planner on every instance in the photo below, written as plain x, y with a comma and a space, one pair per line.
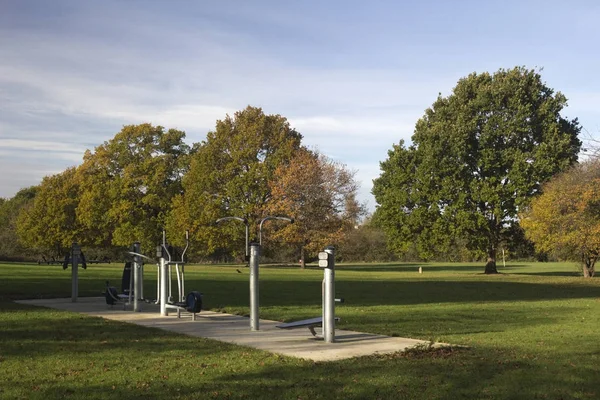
328, 319
192, 303
132, 282
74, 257
133, 286
253, 258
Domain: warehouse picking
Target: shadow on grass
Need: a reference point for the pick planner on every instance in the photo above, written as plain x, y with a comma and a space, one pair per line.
381, 292
49, 331
391, 267
517, 269
410, 267
66, 355
365, 378
558, 273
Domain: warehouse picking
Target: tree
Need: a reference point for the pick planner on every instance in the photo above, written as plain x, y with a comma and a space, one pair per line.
10, 246
565, 219
321, 196
229, 175
128, 183
478, 156
50, 222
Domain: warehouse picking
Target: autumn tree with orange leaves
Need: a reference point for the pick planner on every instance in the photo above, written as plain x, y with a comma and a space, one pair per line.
565, 219
320, 195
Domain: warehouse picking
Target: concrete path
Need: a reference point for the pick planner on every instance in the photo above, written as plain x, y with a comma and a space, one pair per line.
236, 329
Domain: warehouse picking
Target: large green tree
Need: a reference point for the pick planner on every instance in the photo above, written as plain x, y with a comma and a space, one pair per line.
229, 175
477, 157
128, 183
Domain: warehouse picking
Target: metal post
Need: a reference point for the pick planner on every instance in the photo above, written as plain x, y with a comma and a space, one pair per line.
158, 274
254, 313
246, 249
164, 286
137, 278
142, 275
75, 252
329, 297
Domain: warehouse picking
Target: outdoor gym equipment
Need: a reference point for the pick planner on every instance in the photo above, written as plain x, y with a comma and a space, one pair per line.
254, 265
132, 282
328, 318
133, 286
74, 257
192, 303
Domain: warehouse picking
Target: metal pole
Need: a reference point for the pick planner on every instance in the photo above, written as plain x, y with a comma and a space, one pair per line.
164, 286
142, 275
137, 278
165, 276
75, 252
329, 298
254, 310
158, 274
246, 249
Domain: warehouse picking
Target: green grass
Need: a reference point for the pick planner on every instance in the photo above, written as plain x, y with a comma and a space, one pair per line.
532, 332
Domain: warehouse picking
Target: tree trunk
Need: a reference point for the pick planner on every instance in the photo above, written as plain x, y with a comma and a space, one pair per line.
490, 266
589, 266
302, 261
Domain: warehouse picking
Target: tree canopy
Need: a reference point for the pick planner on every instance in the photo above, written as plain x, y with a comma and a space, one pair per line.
128, 183
120, 194
229, 175
477, 157
565, 219
10, 246
50, 222
146, 179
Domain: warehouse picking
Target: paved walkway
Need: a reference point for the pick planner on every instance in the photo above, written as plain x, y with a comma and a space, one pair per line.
236, 329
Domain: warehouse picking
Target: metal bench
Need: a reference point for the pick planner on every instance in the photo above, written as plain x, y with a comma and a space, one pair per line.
311, 324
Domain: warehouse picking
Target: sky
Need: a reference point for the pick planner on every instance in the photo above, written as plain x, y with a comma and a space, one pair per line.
353, 77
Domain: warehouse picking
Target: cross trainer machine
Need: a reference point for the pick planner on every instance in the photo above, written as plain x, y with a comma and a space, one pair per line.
133, 286
192, 303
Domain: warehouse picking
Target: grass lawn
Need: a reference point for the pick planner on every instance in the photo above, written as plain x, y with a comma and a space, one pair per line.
532, 332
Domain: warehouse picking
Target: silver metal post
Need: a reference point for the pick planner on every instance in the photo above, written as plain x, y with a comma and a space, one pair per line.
75, 252
170, 297
142, 275
254, 260
329, 298
164, 286
165, 276
137, 278
247, 246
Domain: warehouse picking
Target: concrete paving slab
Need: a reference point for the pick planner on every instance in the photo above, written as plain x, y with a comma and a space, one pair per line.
236, 329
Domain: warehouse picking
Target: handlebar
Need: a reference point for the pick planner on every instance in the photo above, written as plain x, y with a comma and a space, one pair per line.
133, 253
166, 250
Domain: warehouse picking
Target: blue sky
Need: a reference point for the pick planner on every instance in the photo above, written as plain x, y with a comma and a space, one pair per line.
352, 77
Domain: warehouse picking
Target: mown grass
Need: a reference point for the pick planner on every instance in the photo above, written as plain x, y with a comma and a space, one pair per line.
532, 332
